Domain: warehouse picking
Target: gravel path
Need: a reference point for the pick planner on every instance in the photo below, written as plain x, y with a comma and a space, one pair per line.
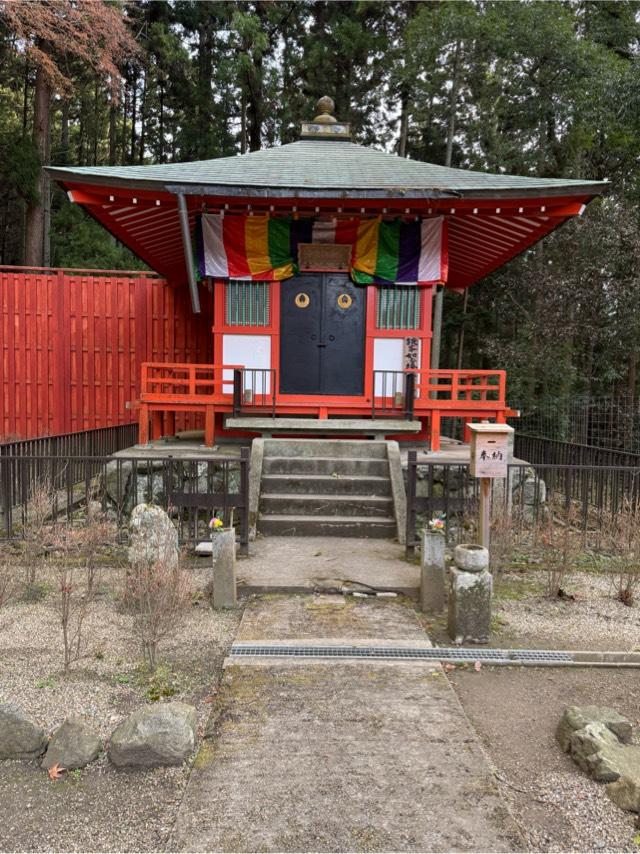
595, 620
99, 809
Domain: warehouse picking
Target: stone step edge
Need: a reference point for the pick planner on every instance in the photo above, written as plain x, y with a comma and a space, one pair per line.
328, 478
346, 520
279, 457
325, 496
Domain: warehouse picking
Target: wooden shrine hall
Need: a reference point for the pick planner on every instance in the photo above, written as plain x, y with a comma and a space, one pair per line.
315, 265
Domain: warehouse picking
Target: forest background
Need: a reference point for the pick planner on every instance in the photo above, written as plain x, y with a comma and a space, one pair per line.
530, 88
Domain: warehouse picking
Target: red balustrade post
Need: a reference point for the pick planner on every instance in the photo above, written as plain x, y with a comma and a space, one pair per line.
209, 427
435, 430
143, 431
454, 385
156, 425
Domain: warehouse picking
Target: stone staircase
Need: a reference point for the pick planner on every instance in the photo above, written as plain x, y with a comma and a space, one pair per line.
326, 488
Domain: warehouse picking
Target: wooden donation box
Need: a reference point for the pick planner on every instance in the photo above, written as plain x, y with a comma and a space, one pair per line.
489, 449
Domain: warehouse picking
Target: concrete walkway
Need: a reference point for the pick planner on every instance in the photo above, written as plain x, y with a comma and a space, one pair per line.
339, 755
299, 564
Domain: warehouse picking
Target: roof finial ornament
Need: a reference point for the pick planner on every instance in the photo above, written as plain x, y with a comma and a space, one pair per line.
325, 107
325, 125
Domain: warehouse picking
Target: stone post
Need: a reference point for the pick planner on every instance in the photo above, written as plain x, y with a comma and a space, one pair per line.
470, 588
432, 573
224, 568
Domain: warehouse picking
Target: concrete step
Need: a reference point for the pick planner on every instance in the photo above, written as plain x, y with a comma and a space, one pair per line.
344, 466
326, 505
327, 526
325, 448
323, 426
325, 484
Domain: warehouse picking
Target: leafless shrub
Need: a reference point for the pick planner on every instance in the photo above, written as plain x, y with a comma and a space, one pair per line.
97, 532
560, 542
620, 543
77, 552
506, 539
158, 594
9, 584
37, 529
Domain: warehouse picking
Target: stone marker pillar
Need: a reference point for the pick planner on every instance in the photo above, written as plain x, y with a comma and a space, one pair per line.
224, 568
432, 573
470, 588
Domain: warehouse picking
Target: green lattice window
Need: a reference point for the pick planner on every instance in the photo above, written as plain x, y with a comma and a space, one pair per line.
247, 303
398, 307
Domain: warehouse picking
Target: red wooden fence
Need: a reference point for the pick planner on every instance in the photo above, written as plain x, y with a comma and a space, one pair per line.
72, 343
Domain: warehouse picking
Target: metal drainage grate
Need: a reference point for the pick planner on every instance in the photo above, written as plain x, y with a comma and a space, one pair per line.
462, 654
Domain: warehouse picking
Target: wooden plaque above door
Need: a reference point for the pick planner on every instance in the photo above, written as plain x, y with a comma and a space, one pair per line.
330, 257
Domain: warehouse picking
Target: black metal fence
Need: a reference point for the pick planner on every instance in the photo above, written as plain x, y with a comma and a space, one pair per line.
605, 422
191, 490
85, 443
254, 389
588, 492
540, 450
394, 394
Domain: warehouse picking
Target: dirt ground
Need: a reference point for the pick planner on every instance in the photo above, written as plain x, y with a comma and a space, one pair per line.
100, 808
515, 712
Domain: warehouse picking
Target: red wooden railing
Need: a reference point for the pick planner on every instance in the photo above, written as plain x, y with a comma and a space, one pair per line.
170, 387
441, 389
172, 382
456, 387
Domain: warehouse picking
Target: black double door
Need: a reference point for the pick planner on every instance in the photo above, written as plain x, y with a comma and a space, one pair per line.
322, 334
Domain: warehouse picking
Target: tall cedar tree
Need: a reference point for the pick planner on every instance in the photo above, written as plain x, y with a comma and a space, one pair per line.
52, 34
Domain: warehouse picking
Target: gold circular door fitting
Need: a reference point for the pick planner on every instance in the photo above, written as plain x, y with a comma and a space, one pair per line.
344, 301
302, 300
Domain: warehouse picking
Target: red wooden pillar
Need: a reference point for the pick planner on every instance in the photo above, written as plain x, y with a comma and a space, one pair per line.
435, 430
169, 424
209, 427
156, 425
143, 431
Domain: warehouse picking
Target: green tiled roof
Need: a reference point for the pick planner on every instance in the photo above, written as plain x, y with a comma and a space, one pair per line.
316, 168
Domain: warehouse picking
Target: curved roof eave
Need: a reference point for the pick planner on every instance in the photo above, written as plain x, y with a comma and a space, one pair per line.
319, 169
587, 188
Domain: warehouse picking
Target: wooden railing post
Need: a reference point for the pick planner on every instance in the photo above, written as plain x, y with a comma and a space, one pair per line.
237, 392
410, 539
409, 396
455, 390
245, 461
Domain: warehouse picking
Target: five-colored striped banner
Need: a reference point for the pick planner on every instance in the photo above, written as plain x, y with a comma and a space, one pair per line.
266, 248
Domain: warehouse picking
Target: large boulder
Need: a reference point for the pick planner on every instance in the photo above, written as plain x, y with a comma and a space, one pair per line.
577, 717
73, 745
153, 537
163, 734
20, 738
598, 739
625, 792
597, 751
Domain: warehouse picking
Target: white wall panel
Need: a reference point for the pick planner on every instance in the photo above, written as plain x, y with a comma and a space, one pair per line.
251, 351
388, 355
